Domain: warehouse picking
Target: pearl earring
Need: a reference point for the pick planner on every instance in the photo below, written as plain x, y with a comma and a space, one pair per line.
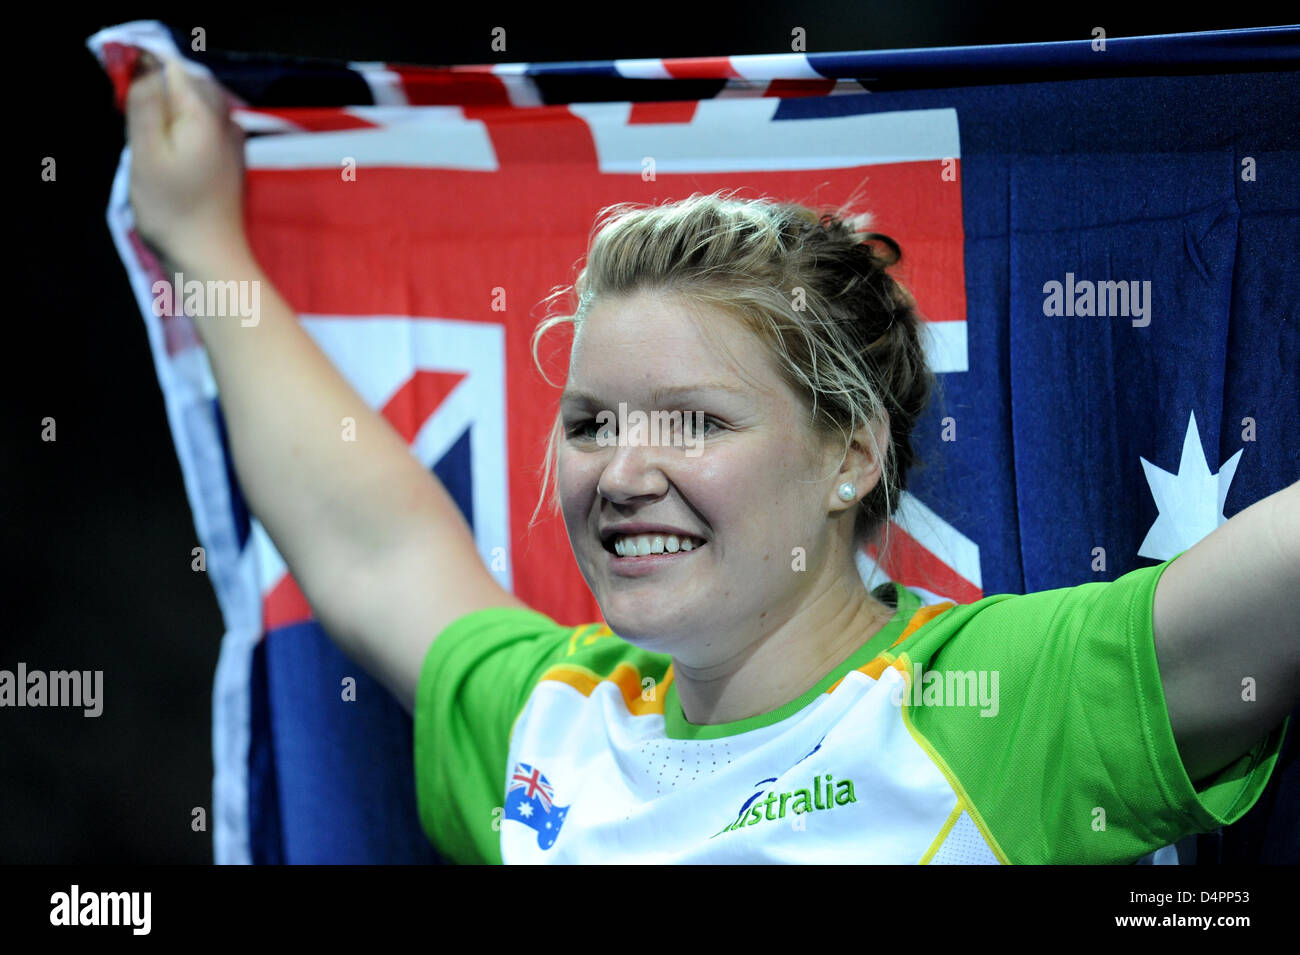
847, 491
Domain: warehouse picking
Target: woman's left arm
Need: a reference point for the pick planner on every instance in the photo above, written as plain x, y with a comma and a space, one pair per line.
1226, 612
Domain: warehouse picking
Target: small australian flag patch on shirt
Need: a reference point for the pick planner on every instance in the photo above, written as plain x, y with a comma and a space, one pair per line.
530, 799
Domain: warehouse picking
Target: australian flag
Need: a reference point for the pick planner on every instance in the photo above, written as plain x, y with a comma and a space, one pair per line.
415, 217
530, 800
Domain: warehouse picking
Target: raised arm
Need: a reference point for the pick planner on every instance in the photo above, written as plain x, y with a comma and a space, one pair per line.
379, 548
1226, 611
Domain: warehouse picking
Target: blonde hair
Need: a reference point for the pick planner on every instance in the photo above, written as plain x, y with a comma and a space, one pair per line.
843, 332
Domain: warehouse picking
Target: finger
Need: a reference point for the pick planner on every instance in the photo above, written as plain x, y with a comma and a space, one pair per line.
147, 109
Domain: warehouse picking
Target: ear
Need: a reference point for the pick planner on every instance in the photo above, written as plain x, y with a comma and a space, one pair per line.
863, 465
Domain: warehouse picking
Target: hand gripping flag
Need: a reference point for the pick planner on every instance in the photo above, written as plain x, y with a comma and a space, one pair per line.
1100, 251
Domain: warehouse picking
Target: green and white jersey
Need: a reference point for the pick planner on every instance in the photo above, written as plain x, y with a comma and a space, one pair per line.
1017, 729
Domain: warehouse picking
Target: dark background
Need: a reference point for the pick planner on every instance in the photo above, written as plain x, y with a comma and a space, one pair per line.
98, 531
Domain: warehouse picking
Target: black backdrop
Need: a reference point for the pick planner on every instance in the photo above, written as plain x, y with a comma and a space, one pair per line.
97, 528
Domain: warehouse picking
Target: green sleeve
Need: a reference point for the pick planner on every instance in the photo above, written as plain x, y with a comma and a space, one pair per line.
475, 680
1079, 763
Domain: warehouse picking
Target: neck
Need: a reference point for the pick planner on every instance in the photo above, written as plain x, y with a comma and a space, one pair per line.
785, 661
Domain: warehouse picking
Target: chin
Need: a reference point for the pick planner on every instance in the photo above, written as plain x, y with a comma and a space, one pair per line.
646, 628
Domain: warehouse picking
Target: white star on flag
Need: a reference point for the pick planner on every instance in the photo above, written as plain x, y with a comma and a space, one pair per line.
1190, 502
525, 810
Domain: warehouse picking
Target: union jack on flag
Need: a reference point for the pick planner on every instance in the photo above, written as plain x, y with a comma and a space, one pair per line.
533, 783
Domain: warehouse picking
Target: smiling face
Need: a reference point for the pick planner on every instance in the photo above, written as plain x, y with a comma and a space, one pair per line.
756, 485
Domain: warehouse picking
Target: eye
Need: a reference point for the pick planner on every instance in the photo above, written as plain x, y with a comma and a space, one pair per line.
709, 423
584, 430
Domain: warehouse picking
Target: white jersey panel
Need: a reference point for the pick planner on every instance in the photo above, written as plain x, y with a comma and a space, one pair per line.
841, 781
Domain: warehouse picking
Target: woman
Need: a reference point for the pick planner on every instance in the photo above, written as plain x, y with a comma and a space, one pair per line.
757, 703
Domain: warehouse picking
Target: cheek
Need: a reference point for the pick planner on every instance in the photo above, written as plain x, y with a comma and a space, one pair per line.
779, 488
749, 490
576, 477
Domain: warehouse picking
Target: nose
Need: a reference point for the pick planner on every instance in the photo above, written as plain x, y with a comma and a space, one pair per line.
632, 473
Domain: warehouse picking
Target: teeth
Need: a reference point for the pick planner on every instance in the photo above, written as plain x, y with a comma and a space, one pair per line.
642, 545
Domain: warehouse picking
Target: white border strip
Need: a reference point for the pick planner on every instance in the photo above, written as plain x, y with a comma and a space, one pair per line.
739, 135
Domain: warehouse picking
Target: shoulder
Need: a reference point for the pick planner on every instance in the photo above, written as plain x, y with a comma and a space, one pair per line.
1117, 604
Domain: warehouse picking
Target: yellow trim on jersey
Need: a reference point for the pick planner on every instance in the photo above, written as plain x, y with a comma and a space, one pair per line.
904, 666
953, 816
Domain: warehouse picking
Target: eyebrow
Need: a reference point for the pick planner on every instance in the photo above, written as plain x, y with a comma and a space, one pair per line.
658, 396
